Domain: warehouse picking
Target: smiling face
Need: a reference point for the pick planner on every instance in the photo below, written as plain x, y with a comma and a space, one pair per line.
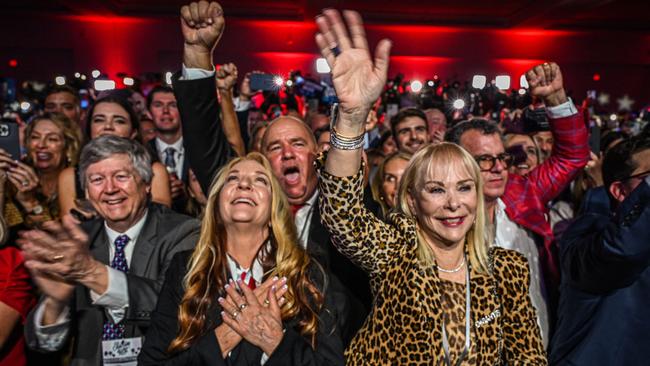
116, 191
245, 197
111, 119
528, 147
46, 145
495, 179
445, 202
165, 113
290, 148
63, 102
411, 134
393, 171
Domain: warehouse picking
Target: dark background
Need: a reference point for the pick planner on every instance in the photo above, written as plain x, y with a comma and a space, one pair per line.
453, 39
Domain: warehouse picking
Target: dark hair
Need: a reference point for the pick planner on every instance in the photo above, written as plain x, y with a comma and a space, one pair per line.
618, 163
485, 126
54, 89
608, 138
157, 89
404, 114
135, 120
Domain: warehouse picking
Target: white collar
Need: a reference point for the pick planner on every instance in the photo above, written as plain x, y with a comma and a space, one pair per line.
133, 232
236, 270
162, 145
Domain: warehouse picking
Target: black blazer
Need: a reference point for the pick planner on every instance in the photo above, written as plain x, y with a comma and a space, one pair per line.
153, 150
293, 349
164, 234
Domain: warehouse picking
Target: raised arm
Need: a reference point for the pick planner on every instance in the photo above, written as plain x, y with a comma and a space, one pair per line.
571, 147
205, 142
226, 80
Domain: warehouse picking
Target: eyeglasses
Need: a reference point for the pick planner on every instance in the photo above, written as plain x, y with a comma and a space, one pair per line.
487, 162
641, 175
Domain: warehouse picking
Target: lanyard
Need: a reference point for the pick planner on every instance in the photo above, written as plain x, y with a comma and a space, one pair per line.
445, 339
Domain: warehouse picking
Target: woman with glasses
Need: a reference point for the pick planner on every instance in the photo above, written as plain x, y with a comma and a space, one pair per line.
442, 296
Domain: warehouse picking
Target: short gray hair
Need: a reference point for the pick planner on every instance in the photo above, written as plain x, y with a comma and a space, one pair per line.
105, 147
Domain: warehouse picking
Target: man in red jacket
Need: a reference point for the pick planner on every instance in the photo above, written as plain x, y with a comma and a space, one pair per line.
517, 204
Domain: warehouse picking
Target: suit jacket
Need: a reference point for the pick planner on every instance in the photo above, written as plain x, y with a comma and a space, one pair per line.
208, 150
163, 235
153, 150
604, 297
405, 325
293, 349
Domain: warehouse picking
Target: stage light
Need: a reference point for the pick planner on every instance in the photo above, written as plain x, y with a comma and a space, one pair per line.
522, 91
459, 104
502, 82
596, 77
322, 67
430, 83
77, 75
24, 106
13, 62
95, 73
289, 83
59, 80
613, 117
278, 81
128, 81
83, 77
416, 86
168, 77
478, 81
101, 85
523, 82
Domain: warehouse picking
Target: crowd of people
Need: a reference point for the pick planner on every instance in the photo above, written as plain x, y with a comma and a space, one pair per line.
208, 223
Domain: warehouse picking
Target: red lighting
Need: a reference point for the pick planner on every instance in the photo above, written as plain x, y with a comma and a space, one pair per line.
13, 62
596, 77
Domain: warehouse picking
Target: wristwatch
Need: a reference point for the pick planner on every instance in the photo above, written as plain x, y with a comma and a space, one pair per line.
36, 210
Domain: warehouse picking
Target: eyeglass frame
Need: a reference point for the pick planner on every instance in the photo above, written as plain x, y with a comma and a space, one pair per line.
503, 158
641, 175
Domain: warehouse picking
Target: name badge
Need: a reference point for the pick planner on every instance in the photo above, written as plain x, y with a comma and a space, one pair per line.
121, 352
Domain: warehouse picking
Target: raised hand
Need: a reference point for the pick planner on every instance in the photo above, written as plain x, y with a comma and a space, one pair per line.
545, 81
357, 79
227, 76
202, 24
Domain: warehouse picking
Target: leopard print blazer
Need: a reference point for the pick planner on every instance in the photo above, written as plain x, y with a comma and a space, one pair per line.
405, 324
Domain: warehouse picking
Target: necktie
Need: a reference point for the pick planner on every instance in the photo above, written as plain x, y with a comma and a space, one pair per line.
251, 281
169, 158
295, 208
112, 330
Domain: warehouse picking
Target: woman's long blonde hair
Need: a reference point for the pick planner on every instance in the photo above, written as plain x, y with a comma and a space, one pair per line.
208, 269
420, 167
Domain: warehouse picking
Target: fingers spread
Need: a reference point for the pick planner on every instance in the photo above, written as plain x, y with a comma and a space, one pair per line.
382, 55
341, 34
355, 24
325, 49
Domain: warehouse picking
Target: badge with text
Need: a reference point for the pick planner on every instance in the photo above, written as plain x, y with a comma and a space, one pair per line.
121, 352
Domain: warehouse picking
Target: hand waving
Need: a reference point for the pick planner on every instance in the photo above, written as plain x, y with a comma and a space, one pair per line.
202, 24
545, 81
357, 79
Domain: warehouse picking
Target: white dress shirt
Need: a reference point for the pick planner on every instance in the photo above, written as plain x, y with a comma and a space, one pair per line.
179, 153
115, 299
303, 219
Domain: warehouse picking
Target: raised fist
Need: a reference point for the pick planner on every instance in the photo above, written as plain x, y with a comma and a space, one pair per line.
202, 24
226, 76
545, 81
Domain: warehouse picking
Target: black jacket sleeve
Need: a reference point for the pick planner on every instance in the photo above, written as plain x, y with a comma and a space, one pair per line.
203, 137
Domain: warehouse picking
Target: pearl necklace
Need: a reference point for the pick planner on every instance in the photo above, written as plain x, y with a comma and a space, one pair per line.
462, 262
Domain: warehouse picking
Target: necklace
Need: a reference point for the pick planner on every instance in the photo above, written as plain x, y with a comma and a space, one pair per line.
462, 262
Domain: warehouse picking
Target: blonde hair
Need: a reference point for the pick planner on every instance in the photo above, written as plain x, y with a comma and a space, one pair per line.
421, 165
378, 180
208, 269
70, 131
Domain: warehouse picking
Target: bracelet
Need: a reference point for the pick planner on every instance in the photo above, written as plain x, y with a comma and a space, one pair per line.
346, 143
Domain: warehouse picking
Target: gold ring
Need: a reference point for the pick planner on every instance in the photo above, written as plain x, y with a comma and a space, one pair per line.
235, 314
57, 258
267, 302
243, 306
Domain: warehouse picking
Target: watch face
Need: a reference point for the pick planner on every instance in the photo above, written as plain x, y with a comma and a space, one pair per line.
37, 210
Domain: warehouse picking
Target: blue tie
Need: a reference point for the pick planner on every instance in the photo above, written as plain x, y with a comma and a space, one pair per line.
169, 158
112, 330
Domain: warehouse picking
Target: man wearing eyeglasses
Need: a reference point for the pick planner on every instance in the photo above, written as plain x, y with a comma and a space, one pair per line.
605, 258
517, 204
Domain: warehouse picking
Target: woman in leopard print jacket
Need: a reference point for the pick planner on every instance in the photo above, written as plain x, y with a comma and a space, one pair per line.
442, 296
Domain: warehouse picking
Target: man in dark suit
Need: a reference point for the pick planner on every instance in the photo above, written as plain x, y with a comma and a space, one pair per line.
605, 256
167, 147
100, 280
288, 144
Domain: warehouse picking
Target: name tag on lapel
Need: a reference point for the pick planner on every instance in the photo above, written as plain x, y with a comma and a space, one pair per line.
487, 319
121, 352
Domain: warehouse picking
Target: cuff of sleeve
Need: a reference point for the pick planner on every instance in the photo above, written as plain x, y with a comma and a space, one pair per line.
563, 110
61, 321
240, 105
278, 357
117, 293
189, 73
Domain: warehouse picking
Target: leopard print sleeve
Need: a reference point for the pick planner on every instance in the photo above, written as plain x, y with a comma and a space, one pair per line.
356, 233
521, 334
